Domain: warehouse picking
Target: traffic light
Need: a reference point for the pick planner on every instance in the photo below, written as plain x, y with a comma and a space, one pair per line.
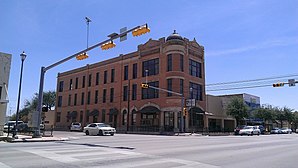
142, 30
82, 56
184, 111
144, 85
278, 84
108, 45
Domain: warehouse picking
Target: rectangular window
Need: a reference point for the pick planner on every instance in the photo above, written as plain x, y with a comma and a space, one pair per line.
69, 100
125, 93
97, 78
195, 68
75, 100
89, 80
150, 93
134, 92
170, 62
195, 91
58, 117
103, 117
61, 83
152, 67
87, 116
113, 75
104, 95
70, 84
59, 101
83, 98
181, 63
96, 97
88, 97
77, 82
134, 118
111, 95
105, 77
125, 72
67, 117
83, 82
124, 117
169, 81
135, 71
181, 86
81, 116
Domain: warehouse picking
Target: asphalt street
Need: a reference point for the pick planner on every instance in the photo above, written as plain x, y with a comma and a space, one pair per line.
146, 151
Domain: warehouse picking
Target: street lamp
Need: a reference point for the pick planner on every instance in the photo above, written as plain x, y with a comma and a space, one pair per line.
23, 57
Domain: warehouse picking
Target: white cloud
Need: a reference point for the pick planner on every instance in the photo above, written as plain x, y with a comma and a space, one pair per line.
265, 44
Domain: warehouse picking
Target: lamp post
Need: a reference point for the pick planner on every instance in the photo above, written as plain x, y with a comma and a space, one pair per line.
23, 57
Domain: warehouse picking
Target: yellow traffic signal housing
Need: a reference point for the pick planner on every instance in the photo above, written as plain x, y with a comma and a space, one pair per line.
108, 45
142, 30
82, 56
144, 85
185, 111
278, 84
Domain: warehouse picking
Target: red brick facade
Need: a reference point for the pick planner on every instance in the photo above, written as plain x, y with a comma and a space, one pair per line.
168, 64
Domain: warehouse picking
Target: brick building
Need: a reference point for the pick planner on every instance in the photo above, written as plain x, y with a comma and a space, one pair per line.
110, 91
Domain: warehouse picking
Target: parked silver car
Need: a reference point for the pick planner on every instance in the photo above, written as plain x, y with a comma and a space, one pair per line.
275, 131
286, 131
250, 130
99, 129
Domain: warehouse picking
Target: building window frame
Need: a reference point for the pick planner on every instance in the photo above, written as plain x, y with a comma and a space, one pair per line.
96, 97
104, 95
111, 95
195, 68
125, 72
149, 93
170, 62
135, 71
195, 91
88, 97
125, 93
97, 78
61, 85
169, 87
151, 66
134, 92
105, 77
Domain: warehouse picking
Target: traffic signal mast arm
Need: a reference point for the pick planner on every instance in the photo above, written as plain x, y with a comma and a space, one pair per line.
90, 48
165, 90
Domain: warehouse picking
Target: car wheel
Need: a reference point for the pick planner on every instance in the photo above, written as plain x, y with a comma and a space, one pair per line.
112, 134
87, 132
252, 133
100, 132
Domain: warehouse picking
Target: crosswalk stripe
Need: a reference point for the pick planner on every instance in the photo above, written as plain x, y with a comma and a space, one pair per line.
2, 165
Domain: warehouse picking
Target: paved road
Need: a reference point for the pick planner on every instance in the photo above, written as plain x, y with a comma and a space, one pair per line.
148, 151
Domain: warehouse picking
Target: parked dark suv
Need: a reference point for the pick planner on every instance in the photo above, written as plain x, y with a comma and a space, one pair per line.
238, 128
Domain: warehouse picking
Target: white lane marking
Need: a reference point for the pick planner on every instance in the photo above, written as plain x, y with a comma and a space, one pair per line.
2, 165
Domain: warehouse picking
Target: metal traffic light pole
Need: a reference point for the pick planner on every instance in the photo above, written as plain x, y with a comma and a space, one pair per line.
43, 70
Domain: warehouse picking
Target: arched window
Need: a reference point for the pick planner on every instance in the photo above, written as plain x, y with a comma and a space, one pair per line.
124, 117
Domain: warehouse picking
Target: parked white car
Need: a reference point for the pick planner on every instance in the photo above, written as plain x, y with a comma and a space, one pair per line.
10, 125
286, 131
75, 126
99, 129
250, 130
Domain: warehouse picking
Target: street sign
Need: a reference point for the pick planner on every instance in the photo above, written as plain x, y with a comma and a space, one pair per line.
291, 82
123, 38
190, 102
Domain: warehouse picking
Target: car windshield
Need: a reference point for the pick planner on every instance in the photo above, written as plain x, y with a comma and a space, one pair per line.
75, 123
248, 127
103, 125
285, 129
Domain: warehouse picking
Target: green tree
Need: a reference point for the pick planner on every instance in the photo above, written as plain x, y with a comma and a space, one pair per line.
238, 109
288, 115
264, 113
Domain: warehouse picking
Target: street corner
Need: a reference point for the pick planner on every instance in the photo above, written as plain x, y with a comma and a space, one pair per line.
30, 139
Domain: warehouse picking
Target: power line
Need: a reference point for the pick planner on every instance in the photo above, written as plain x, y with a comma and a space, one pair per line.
235, 88
252, 80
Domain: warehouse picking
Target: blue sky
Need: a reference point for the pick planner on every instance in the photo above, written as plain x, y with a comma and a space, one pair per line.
243, 40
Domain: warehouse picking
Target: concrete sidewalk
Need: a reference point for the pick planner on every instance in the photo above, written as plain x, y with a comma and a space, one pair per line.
28, 138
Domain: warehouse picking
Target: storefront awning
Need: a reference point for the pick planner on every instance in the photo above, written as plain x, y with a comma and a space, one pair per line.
150, 110
196, 110
113, 111
95, 112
